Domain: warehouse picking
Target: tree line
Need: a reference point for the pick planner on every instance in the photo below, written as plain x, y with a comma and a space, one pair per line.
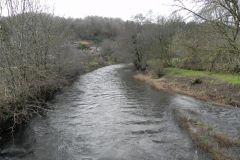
208, 40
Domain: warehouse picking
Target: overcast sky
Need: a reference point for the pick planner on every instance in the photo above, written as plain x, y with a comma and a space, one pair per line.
124, 9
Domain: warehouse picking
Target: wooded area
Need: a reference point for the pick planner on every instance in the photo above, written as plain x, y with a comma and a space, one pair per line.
208, 41
38, 57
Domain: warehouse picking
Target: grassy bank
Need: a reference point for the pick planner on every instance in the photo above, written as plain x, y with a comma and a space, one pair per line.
224, 77
213, 87
96, 63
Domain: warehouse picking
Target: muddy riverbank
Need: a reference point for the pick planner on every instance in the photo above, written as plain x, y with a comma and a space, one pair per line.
206, 89
206, 130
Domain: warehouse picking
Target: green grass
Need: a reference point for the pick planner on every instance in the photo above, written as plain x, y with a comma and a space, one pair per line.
229, 78
91, 65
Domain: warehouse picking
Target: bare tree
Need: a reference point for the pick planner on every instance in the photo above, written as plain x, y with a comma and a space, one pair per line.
225, 16
34, 56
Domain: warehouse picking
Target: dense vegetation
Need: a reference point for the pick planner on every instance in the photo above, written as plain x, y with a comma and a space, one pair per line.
38, 56
31, 58
161, 42
209, 41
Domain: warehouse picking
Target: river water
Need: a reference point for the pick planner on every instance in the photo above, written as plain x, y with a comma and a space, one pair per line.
107, 115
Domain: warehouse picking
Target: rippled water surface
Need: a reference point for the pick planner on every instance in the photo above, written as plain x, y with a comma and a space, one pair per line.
106, 115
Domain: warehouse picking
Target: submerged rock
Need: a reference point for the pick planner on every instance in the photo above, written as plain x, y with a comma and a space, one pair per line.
196, 81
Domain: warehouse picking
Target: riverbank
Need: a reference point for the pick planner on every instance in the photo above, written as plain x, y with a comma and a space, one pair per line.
35, 102
218, 144
206, 88
208, 135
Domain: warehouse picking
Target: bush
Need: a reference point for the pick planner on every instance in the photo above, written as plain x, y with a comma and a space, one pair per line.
82, 46
157, 67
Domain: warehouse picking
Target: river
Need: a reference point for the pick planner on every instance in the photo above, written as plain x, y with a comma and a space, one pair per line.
107, 115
